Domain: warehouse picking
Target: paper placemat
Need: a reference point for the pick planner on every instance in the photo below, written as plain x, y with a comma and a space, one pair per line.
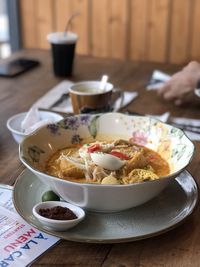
53, 95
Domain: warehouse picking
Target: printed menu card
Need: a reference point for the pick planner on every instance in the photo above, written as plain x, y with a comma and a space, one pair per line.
20, 243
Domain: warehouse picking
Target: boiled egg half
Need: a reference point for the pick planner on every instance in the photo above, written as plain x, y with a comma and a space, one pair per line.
107, 161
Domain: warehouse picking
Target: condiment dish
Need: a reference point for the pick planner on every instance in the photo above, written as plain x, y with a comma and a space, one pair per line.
58, 225
14, 123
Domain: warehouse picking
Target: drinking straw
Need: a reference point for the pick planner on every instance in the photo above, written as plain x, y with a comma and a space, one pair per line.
69, 21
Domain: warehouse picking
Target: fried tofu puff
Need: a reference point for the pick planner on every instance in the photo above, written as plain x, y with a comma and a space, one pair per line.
139, 175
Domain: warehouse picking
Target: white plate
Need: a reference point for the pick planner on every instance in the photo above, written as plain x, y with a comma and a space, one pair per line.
157, 216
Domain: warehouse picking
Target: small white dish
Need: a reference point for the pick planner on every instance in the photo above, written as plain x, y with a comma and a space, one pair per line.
58, 225
14, 123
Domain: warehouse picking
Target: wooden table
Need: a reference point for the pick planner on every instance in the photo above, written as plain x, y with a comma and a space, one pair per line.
177, 248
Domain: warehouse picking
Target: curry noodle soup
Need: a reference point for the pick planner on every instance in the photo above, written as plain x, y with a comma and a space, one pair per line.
102, 162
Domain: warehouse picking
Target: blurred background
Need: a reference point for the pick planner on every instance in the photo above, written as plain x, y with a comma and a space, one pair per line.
5, 48
142, 30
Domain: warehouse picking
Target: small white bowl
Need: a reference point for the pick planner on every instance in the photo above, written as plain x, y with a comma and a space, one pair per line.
14, 123
58, 225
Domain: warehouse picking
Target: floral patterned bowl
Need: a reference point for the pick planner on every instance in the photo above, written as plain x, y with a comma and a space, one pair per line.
170, 142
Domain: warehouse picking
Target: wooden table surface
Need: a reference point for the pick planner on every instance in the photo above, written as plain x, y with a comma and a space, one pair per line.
179, 247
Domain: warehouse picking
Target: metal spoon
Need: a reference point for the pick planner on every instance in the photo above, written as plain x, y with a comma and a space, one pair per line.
60, 100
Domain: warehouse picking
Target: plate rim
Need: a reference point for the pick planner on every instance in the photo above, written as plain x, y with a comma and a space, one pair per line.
112, 240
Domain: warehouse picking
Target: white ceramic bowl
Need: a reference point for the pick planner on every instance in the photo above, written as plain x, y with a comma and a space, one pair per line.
14, 123
58, 225
170, 142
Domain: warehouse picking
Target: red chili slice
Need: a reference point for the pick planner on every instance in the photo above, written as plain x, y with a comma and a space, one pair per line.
93, 148
119, 155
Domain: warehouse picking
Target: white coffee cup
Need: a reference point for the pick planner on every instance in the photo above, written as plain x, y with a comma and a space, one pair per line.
88, 95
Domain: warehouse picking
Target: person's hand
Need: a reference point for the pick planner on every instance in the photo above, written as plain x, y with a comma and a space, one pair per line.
180, 88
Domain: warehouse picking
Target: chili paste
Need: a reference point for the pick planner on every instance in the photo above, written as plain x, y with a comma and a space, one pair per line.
58, 213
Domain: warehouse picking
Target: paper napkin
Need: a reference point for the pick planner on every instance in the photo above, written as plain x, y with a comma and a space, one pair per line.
157, 80
54, 94
187, 122
31, 118
32, 121
164, 117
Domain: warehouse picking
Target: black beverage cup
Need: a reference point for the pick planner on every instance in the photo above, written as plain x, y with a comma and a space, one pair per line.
63, 51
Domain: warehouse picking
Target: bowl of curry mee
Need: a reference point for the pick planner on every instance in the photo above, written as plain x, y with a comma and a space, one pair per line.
107, 162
